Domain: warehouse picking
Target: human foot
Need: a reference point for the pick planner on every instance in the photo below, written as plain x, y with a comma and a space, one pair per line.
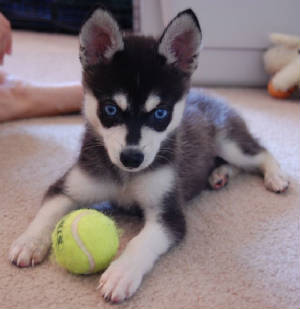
14, 102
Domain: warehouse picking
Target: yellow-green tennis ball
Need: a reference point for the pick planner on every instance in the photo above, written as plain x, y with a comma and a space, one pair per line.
85, 241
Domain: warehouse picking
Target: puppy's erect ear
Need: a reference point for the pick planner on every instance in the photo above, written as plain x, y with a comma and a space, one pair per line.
100, 38
180, 41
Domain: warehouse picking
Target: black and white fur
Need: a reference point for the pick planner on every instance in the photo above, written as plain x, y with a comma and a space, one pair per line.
138, 157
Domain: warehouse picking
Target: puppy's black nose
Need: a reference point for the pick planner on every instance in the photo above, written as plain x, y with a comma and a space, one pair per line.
131, 158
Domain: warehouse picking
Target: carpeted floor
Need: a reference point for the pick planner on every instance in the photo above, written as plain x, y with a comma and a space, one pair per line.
242, 246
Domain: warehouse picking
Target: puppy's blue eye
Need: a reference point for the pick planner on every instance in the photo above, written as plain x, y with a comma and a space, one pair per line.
160, 113
110, 110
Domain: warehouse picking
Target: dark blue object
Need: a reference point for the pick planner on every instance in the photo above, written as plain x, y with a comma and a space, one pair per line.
61, 15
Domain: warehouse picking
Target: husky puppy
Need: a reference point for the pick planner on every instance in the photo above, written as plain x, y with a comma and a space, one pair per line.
148, 142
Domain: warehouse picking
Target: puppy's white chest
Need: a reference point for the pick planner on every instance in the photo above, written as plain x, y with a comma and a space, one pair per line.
147, 189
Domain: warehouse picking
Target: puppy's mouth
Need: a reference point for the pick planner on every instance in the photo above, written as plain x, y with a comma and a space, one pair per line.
143, 166
132, 169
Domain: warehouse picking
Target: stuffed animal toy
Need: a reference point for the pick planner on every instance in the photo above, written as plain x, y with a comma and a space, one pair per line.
282, 62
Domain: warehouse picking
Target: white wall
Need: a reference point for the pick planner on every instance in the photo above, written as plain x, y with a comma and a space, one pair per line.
235, 34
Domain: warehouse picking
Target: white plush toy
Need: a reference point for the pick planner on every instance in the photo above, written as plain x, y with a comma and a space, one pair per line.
282, 61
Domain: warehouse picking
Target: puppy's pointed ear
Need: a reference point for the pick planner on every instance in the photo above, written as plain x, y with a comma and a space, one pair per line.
100, 38
180, 41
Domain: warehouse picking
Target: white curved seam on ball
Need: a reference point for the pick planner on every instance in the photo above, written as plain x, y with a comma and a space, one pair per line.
80, 243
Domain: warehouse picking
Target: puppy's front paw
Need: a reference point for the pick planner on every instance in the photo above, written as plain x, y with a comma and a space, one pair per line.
276, 181
120, 281
29, 250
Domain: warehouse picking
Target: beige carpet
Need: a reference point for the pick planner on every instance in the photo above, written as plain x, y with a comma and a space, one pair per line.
242, 246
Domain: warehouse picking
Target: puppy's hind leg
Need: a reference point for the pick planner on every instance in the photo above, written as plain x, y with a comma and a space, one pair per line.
220, 176
240, 149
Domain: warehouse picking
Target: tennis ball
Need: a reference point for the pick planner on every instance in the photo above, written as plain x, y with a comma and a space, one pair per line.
85, 241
